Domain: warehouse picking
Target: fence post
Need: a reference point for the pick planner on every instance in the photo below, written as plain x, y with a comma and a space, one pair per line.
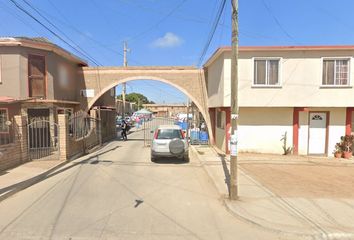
21, 125
63, 136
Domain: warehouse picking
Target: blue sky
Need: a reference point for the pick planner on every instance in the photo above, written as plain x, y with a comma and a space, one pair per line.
174, 32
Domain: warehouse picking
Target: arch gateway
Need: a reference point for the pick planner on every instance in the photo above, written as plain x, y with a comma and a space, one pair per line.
189, 80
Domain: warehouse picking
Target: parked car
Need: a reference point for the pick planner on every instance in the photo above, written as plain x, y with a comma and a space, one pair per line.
169, 141
118, 123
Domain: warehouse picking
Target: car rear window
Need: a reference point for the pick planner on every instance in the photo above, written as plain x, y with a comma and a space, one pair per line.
169, 134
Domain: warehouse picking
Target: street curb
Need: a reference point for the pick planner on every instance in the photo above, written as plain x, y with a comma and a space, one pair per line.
248, 220
17, 187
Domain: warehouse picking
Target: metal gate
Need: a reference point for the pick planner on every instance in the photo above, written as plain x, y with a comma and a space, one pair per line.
150, 125
86, 129
43, 140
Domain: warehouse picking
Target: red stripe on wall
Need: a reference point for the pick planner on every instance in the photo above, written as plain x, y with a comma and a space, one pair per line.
227, 128
296, 112
348, 120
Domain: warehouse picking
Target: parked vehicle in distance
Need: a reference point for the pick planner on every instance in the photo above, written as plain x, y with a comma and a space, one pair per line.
128, 119
169, 141
118, 123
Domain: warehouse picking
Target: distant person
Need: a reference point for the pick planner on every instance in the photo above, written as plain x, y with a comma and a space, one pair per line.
124, 130
137, 121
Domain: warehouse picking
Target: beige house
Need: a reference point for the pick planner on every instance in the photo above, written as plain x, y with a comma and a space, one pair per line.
38, 81
166, 110
303, 91
129, 109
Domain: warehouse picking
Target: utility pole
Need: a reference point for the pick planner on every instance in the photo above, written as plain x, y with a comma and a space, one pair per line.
124, 87
234, 103
187, 133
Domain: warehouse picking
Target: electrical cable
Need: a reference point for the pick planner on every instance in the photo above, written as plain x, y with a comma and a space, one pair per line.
50, 30
139, 35
60, 31
278, 22
212, 31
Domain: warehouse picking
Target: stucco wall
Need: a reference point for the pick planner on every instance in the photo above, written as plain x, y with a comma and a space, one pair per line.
220, 139
55, 88
10, 73
215, 85
301, 77
260, 129
14, 70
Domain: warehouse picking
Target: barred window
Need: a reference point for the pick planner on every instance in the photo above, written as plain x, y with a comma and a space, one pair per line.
335, 72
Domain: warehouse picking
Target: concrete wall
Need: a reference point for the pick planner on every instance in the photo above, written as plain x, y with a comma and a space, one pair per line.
10, 72
260, 129
106, 100
301, 78
216, 86
14, 69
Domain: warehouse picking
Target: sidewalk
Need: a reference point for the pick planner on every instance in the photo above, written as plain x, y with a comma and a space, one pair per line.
30, 173
304, 217
25, 175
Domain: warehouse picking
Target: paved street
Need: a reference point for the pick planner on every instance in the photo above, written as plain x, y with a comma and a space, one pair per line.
120, 194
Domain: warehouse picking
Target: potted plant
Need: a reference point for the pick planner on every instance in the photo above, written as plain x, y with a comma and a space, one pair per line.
338, 150
347, 143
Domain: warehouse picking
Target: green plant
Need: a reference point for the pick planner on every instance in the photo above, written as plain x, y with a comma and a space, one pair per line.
338, 148
346, 143
287, 150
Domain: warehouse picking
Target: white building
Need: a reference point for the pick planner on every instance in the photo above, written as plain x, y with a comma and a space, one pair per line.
304, 91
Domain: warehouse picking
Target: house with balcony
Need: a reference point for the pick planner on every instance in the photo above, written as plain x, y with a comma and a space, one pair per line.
38, 81
303, 92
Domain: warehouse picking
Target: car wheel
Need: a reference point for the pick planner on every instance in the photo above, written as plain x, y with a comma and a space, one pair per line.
153, 158
186, 157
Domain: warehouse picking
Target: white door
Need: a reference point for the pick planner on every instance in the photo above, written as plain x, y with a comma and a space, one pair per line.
317, 133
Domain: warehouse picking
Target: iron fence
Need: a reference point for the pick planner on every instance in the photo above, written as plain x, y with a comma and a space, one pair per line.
83, 127
43, 140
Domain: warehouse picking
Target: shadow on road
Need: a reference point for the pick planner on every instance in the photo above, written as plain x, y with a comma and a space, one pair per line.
226, 170
171, 160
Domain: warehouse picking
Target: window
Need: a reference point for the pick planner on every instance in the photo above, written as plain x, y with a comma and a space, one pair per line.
335, 72
4, 128
220, 119
266, 72
36, 76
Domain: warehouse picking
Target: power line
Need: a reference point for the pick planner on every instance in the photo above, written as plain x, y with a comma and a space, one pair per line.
212, 31
98, 43
50, 30
158, 23
60, 31
278, 22
18, 17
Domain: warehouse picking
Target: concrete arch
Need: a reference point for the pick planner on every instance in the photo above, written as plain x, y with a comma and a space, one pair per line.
152, 78
189, 80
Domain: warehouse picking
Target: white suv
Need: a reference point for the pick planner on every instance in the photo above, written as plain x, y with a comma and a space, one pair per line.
169, 141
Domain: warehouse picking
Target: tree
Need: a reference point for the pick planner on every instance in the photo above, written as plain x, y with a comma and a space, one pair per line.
137, 98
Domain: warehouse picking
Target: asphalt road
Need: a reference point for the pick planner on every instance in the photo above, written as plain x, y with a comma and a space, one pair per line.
120, 194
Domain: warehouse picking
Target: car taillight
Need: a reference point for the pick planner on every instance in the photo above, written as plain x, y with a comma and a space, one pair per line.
155, 134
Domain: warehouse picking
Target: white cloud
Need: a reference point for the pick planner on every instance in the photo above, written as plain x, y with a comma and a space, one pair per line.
168, 41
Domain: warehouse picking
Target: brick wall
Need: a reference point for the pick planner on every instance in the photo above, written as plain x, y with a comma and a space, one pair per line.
15, 153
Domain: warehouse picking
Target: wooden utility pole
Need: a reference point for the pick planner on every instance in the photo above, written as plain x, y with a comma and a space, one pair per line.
187, 132
124, 87
234, 103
